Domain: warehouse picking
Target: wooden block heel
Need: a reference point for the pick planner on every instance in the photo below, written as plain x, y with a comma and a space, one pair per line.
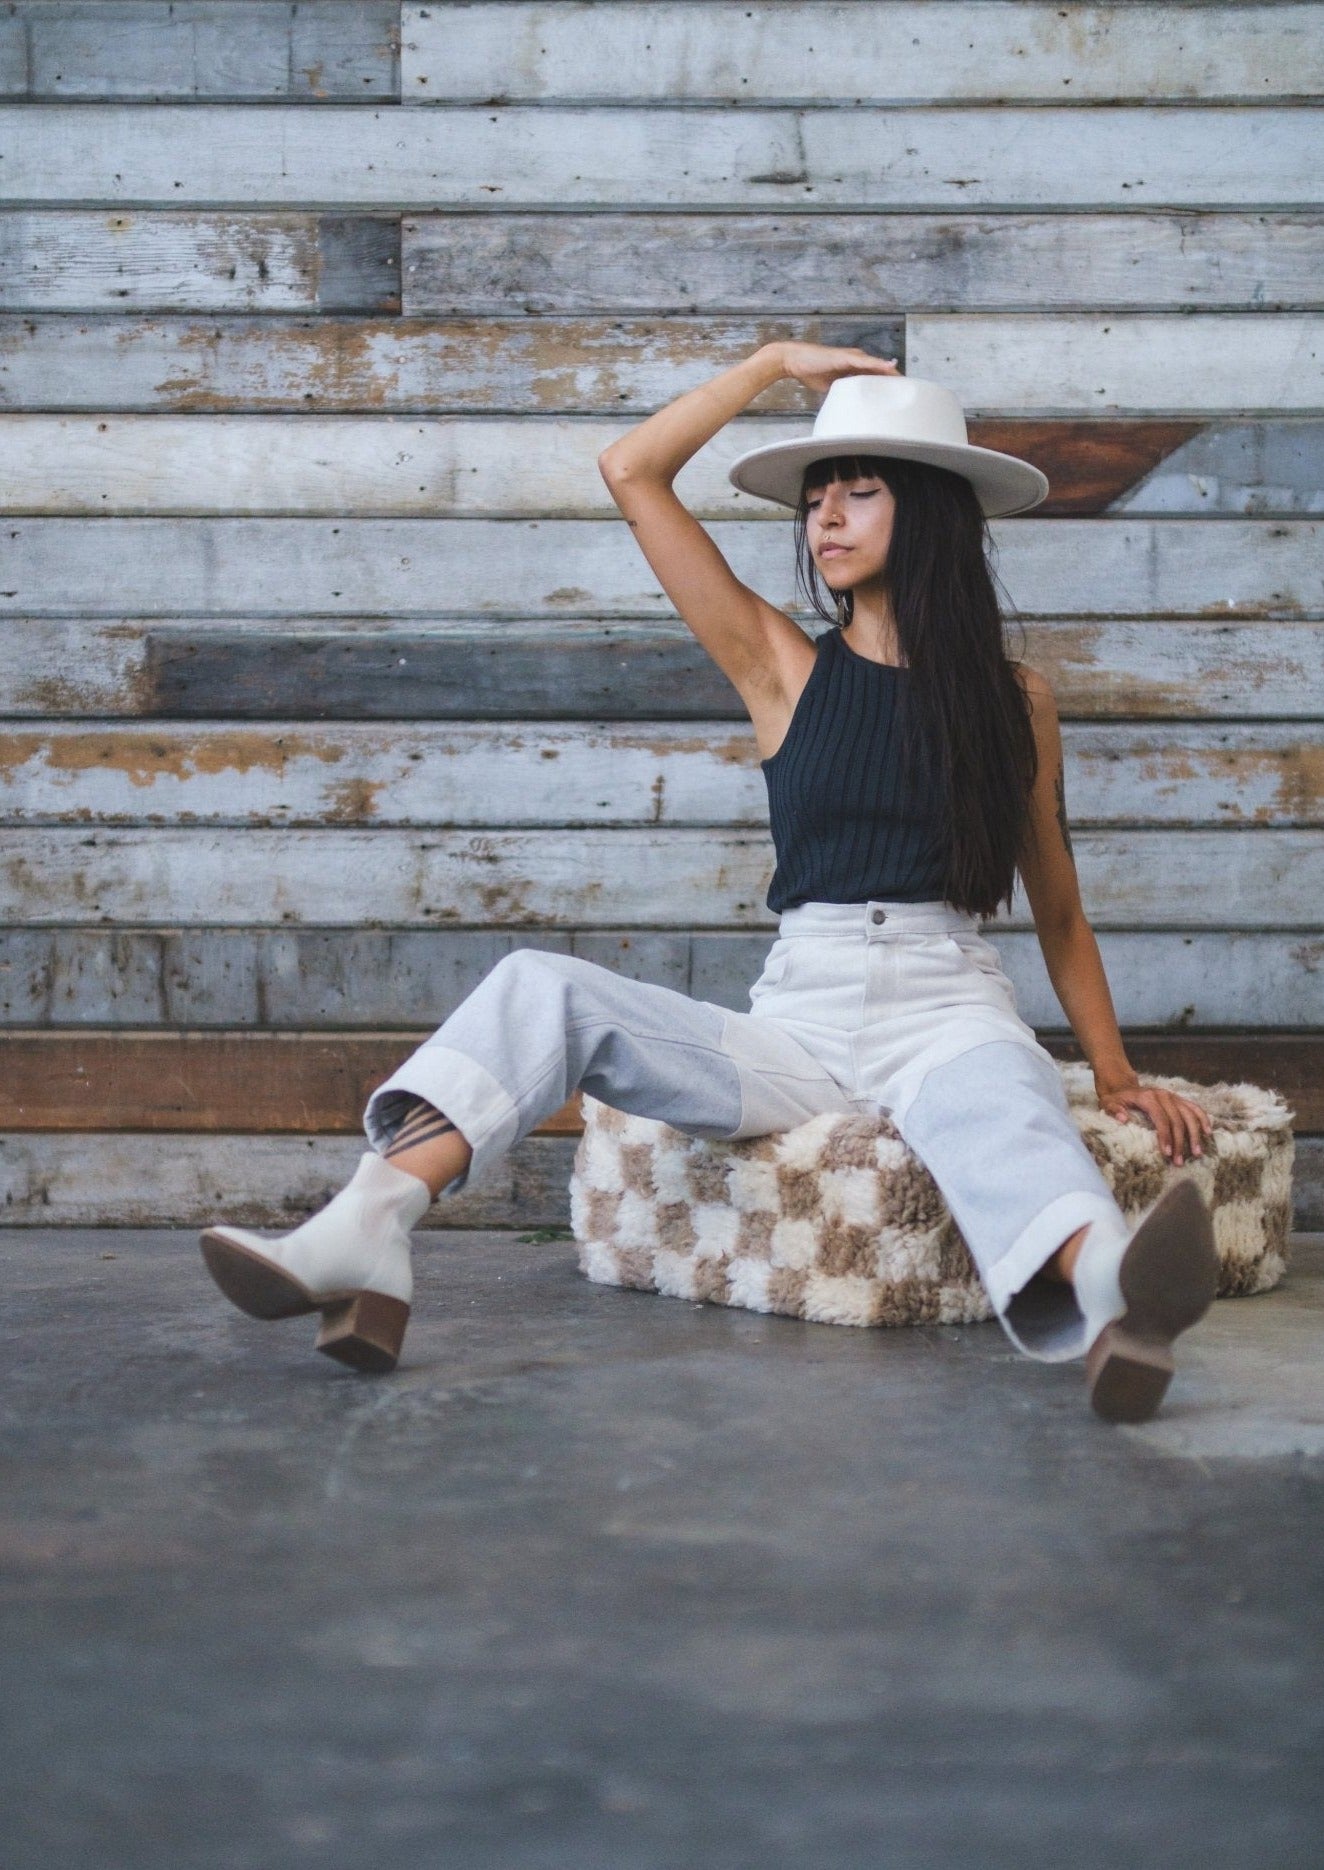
1127, 1377
365, 1331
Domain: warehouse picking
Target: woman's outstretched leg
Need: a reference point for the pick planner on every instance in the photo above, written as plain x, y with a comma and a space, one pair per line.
537, 1027
994, 1128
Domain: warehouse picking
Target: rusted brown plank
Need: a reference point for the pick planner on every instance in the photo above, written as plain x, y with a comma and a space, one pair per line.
264, 1082
587, 772
314, 1082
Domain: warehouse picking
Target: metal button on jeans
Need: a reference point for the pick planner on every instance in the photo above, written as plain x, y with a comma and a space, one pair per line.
879, 915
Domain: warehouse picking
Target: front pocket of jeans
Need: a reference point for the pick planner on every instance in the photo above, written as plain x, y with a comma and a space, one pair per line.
977, 954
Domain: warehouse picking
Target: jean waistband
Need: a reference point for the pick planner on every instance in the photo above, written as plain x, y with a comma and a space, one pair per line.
875, 920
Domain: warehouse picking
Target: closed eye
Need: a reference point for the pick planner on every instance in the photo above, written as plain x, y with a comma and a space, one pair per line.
811, 505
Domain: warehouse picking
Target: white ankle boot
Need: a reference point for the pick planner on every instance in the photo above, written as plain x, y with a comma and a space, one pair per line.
350, 1261
1138, 1292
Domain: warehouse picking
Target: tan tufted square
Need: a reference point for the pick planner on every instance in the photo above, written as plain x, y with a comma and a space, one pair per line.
839, 1222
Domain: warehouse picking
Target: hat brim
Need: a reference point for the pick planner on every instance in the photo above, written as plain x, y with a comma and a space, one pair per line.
1003, 483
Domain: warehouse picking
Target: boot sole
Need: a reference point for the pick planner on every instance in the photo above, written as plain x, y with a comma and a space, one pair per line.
1168, 1276
362, 1329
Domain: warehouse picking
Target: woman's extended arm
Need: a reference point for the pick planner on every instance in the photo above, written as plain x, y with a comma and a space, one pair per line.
738, 628
1071, 952
662, 443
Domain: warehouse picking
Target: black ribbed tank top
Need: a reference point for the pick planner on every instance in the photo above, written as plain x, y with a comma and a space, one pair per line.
845, 827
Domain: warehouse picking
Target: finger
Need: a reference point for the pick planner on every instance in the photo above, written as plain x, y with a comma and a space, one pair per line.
1163, 1126
1188, 1126
1195, 1128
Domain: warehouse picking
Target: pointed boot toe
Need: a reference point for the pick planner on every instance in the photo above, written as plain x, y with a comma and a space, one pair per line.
245, 1269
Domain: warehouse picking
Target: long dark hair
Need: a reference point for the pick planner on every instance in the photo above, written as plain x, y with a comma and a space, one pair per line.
968, 714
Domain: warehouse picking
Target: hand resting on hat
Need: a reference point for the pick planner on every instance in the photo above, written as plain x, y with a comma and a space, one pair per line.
818, 366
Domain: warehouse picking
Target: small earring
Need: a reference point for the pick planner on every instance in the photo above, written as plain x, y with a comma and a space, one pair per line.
841, 611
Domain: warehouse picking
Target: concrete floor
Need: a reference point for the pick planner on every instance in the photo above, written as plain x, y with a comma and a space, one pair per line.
601, 1579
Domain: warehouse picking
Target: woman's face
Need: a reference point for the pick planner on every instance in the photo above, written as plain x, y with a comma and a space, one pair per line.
849, 529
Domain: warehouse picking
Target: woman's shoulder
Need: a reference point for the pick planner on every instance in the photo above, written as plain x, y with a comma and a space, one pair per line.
1035, 684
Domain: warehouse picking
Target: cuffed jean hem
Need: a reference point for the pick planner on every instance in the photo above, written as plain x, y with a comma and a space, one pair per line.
1041, 1316
463, 1091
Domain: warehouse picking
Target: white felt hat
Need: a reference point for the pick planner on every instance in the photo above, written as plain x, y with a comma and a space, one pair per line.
909, 417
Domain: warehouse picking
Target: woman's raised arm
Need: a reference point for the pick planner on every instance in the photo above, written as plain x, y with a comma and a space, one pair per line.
738, 628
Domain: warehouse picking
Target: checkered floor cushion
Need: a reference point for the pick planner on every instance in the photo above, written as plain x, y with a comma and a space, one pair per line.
839, 1222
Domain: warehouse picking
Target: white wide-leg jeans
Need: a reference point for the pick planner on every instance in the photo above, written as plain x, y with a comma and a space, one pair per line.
899, 1007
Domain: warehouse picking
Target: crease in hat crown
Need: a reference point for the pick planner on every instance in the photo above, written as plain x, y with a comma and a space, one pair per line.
911, 418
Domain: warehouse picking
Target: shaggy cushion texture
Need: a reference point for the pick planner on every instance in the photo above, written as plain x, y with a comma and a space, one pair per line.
839, 1222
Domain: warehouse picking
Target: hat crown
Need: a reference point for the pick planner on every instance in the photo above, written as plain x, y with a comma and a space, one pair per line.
896, 408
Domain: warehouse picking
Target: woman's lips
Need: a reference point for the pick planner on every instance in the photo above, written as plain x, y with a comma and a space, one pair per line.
830, 551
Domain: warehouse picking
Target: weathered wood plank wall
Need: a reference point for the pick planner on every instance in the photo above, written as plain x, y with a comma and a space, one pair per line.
328, 673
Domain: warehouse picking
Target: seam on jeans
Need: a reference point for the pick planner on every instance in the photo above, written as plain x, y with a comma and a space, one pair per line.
1039, 1052
585, 1025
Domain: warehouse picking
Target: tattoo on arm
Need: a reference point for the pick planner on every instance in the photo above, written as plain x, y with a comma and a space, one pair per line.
1060, 787
421, 1122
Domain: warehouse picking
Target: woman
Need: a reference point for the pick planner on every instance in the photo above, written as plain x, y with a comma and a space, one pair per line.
912, 769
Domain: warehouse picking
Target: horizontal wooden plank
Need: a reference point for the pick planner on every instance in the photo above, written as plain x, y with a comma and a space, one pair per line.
260, 1082
565, 668
458, 465
125, 1180
522, 365
268, 50
1016, 365
348, 979
658, 879
509, 156
397, 567
1138, 365
871, 265
584, 773
315, 1082
716, 53
120, 1179
81, 262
